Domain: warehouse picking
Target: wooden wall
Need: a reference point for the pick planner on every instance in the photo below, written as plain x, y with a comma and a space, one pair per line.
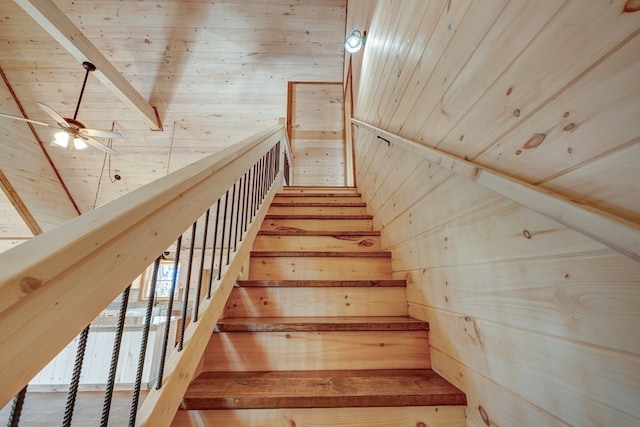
317, 133
535, 322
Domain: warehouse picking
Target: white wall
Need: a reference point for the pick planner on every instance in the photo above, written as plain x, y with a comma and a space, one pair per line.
95, 370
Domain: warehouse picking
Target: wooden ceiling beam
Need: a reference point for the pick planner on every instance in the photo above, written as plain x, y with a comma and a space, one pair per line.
56, 23
17, 203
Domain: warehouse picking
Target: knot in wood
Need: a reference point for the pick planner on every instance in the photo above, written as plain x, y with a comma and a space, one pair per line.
30, 284
484, 415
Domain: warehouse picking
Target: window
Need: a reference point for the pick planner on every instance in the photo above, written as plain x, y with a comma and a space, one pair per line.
163, 282
165, 278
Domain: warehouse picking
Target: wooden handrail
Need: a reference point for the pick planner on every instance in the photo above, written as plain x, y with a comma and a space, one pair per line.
52, 286
613, 231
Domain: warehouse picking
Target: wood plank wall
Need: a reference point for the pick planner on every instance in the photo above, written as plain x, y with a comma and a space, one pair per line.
535, 322
317, 133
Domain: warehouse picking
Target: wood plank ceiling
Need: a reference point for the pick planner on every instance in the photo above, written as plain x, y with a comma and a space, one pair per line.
216, 72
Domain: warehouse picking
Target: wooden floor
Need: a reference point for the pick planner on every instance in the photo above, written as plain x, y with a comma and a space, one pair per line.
47, 409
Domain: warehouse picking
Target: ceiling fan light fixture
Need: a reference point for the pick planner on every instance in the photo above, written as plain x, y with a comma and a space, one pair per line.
79, 144
61, 139
74, 129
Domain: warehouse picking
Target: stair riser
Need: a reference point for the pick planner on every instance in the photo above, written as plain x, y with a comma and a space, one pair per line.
315, 302
318, 268
318, 224
317, 199
278, 351
317, 210
435, 416
317, 243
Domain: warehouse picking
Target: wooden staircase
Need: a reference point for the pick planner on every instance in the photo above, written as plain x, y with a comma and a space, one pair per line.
319, 324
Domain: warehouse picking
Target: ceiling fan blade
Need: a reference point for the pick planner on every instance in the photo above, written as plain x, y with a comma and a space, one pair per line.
57, 117
22, 119
99, 146
101, 133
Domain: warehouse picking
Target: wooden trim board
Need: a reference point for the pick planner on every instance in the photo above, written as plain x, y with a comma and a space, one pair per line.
19, 205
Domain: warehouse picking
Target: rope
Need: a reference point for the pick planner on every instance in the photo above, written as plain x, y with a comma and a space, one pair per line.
213, 250
143, 345
196, 308
108, 394
185, 301
233, 202
75, 378
224, 225
16, 408
165, 340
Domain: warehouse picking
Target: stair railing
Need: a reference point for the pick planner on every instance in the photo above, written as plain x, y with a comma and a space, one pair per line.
53, 286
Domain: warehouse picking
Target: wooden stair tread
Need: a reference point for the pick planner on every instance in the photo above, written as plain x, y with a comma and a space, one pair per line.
326, 194
321, 324
319, 187
319, 205
320, 389
298, 232
305, 216
303, 195
313, 187
320, 283
343, 254
291, 358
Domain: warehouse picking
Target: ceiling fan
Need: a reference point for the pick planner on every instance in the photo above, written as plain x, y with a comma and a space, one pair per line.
73, 129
